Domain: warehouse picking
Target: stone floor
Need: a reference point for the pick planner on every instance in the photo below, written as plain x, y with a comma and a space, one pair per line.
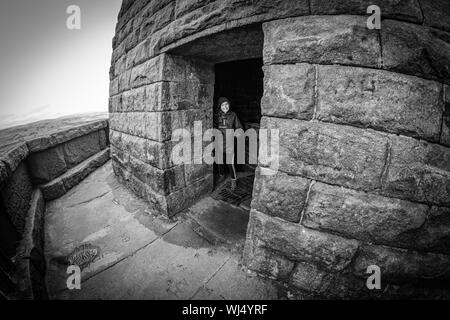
143, 256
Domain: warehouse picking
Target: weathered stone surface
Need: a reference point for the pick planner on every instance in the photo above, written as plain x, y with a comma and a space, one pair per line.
360, 215
16, 194
408, 10
289, 91
164, 96
157, 202
323, 40
150, 23
156, 126
301, 244
154, 153
47, 165
399, 265
29, 259
170, 68
160, 181
436, 13
59, 131
445, 137
195, 172
416, 50
418, 171
310, 278
113, 87
182, 199
266, 262
433, 236
380, 100
138, 54
103, 137
280, 196
60, 186
33, 235
186, 6
334, 154
235, 12
12, 156
79, 149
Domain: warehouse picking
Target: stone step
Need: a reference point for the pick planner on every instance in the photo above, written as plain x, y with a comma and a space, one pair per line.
61, 185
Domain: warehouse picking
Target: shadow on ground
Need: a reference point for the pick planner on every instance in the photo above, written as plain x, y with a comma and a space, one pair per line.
139, 255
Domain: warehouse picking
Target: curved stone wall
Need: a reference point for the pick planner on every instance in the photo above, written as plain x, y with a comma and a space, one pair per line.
364, 173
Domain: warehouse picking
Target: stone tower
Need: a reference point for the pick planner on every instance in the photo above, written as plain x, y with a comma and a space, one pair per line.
364, 120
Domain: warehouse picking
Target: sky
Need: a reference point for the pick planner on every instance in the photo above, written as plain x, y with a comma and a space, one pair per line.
47, 70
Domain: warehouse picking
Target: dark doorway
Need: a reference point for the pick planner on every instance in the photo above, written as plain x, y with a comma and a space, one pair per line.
242, 83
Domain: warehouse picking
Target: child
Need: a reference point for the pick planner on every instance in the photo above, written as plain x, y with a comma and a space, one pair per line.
226, 119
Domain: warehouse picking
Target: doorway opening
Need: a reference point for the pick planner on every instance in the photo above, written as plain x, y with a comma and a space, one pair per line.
241, 82
235, 57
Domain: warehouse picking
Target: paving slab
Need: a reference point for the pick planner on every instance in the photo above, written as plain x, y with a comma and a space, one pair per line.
142, 255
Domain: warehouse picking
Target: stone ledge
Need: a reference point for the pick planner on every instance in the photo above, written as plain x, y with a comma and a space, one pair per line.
54, 139
29, 259
74, 176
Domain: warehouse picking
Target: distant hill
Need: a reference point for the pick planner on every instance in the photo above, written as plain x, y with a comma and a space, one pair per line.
14, 135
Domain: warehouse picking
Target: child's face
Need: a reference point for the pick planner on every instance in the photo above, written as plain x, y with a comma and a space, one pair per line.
225, 107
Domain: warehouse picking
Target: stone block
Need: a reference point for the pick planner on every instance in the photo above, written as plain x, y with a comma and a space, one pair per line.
432, 236
289, 91
322, 40
360, 215
47, 165
162, 182
298, 243
114, 87
323, 284
380, 100
16, 194
12, 156
154, 153
281, 195
64, 134
151, 23
436, 13
138, 54
61, 185
416, 50
103, 138
445, 136
266, 262
157, 203
183, 198
408, 10
402, 266
418, 171
341, 155
79, 149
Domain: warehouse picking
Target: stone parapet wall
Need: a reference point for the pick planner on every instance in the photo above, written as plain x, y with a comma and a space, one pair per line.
39, 167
